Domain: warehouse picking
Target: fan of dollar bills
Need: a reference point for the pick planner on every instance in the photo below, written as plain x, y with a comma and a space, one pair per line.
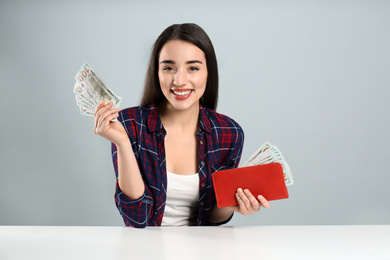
90, 91
269, 153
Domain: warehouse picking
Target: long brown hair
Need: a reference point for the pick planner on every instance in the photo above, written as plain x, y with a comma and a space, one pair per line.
191, 33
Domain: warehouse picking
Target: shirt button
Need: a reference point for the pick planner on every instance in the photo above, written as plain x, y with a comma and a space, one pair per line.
203, 184
202, 203
201, 142
202, 163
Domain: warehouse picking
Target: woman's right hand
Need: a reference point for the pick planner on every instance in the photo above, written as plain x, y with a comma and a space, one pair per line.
112, 131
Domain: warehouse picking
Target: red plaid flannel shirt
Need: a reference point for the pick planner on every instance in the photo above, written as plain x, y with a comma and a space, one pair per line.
221, 142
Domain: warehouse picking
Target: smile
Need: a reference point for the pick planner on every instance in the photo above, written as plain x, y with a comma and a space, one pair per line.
181, 92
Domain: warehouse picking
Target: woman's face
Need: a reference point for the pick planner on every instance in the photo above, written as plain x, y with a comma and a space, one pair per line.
182, 74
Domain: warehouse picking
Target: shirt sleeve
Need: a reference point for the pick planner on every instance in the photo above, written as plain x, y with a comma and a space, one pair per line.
135, 213
208, 223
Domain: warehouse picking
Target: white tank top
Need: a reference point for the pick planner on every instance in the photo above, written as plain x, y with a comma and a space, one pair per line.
181, 203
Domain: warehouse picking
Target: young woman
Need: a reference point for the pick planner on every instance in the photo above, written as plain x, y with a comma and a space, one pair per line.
166, 150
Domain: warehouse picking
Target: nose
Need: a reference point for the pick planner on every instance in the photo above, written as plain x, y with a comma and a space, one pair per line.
180, 78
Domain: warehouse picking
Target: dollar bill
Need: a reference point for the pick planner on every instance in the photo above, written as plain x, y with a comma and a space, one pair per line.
95, 86
86, 111
85, 94
269, 153
90, 90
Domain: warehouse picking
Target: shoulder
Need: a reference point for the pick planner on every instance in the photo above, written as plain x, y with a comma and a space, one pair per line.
136, 111
226, 137
134, 117
223, 127
218, 120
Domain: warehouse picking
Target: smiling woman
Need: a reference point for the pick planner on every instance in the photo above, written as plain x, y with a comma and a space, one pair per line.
182, 74
190, 34
166, 150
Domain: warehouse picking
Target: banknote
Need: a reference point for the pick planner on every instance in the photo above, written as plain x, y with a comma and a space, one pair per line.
269, 153
90, 90
85, 94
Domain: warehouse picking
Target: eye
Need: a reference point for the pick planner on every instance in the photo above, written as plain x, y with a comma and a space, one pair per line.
194, 69
168, 68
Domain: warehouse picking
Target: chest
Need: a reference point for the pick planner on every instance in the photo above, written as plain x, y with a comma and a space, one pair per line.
182, 153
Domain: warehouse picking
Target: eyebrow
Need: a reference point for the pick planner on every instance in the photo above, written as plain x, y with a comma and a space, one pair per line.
172, 62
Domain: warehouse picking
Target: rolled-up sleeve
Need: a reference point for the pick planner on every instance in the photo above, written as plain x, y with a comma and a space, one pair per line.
135, 213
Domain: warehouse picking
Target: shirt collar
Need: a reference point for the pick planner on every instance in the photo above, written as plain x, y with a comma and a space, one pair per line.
204, 121
154, 121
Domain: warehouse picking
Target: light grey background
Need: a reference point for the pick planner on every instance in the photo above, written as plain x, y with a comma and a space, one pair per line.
312, 77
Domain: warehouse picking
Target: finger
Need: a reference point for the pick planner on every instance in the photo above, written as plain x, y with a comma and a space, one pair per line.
103, 107
241, 206
97, 115
105, 127
105, 119
108, 119
102, 103
99, 111
113, 116
109, 112
264, 202
255, 204
245, 201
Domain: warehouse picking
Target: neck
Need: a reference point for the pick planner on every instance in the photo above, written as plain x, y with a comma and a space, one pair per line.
179, 119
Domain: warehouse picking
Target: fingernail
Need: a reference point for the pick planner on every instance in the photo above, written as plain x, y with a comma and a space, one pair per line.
246, 191
261, 197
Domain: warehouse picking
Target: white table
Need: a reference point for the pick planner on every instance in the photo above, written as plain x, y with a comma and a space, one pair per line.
187, 243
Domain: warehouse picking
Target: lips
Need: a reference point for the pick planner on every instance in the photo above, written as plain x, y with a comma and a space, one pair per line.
181, 94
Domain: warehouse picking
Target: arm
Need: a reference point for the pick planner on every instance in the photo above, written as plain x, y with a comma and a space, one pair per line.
135, 212
130, 191
129, 176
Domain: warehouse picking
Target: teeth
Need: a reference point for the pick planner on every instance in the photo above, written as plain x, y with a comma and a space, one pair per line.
181, 93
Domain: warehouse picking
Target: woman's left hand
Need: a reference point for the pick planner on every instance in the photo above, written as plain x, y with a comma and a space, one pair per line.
248, 204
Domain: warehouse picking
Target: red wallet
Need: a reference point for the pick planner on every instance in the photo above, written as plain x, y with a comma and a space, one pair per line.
266, 180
